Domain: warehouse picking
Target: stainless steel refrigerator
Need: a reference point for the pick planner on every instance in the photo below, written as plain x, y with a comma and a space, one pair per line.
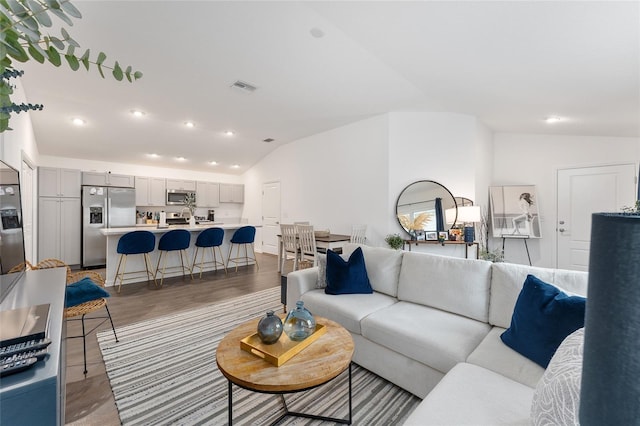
11, 236
104, 207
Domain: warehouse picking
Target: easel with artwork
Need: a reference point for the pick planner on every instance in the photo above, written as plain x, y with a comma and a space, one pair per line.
524, 240
515, 213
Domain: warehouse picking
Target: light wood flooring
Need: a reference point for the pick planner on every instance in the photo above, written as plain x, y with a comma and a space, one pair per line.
89, 400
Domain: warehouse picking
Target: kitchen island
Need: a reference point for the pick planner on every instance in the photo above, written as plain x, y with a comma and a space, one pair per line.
136, 262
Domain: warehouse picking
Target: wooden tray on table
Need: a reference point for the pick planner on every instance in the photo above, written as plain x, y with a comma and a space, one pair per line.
281, 351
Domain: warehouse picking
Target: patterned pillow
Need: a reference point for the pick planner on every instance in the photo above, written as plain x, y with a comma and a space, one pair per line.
556, 400
321, 260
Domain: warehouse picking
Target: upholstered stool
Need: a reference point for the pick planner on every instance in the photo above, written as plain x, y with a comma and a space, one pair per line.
209, 238
135, 242
244, 236
175, 240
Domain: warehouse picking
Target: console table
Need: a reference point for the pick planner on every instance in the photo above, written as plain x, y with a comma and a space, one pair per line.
36, 396
476, 245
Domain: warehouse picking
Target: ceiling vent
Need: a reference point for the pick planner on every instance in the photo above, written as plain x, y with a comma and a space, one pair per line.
268, 140
244, 86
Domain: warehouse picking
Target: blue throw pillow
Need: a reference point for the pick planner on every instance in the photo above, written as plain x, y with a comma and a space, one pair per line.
83, 291
543, 317
347, 277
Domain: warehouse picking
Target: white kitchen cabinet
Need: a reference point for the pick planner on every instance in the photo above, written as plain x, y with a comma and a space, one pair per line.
231, 193
207, 194
59, 228
187, 185
54, 182
107, 179
150, 191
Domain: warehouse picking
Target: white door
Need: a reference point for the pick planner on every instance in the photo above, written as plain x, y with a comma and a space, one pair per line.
582, 192
26, 187
270, 217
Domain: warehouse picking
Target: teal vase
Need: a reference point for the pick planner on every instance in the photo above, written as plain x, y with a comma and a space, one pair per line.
269, 328
299, 323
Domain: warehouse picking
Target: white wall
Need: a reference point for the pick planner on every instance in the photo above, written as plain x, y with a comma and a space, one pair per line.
21, 138
333, 179
454, 150
535, 159
135, 169
19, 144
355, 173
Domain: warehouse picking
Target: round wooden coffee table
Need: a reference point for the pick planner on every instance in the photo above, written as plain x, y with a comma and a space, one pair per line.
317, 364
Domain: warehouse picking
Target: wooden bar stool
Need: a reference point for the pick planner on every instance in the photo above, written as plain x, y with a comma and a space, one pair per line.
175, 240
244, 236
211, 237
135, 242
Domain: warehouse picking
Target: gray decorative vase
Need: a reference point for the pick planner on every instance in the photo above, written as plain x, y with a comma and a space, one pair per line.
270, 328
610, 391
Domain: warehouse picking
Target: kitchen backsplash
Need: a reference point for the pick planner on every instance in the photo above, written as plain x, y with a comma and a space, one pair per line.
230, 214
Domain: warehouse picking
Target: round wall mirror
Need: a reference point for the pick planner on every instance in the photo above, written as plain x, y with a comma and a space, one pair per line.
421, 209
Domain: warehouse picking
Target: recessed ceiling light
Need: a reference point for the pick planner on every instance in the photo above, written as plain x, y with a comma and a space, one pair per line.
181, 159
552, 119
79, 122
137, 113
189, 124
229, 133
213, 163
153, 155
235, 166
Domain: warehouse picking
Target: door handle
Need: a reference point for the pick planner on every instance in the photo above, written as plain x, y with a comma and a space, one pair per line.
561, 229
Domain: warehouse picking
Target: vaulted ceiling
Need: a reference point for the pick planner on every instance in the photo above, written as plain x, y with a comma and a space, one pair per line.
320, 65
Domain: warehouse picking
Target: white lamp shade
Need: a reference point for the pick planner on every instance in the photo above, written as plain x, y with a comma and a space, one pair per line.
450, 215
468, 214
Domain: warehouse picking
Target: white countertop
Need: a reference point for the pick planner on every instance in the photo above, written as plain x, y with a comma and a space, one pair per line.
154, 228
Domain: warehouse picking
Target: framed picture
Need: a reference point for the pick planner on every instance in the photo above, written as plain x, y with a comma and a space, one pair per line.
443, 236
514, 211
431, 236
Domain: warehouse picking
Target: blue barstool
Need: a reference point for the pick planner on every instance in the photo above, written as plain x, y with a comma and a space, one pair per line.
135, 242
174, 240
244, 236
211, 237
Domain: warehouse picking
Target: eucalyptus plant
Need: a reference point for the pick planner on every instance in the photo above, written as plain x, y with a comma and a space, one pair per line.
395, 241
22, 39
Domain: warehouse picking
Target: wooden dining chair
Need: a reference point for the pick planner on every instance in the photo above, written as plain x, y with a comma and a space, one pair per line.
290, 244
307, 242
359, 234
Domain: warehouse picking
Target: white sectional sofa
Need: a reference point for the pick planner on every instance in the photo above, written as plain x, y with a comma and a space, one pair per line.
432, 326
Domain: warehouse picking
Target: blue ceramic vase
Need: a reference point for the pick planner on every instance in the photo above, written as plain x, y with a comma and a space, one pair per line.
299, 323
270, 328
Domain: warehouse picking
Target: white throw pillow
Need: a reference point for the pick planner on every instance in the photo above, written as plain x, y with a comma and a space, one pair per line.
556, 400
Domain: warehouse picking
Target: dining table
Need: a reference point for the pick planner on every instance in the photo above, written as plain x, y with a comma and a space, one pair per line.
323, 242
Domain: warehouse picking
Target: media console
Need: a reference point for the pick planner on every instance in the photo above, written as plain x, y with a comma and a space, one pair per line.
36, 396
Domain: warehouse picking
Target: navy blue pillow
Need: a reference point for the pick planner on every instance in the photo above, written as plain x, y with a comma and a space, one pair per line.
347, 277
83, 291
543, 317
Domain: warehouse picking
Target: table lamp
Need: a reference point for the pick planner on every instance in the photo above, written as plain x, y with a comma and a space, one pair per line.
469, 215
450, 215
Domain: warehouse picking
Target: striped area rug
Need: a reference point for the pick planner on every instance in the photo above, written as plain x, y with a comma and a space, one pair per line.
163, 371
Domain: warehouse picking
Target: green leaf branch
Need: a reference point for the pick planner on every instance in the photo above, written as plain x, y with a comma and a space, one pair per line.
22, 39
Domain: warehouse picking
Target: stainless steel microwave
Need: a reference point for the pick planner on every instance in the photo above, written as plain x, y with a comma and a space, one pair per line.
177, 197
